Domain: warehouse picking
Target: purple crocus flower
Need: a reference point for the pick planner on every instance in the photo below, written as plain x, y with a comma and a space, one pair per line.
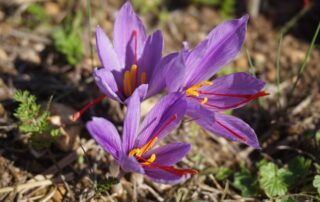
189, 72
135, 152
132, 60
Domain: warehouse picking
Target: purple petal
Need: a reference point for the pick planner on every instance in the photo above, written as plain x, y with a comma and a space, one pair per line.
160, 120
197, 112
106, 83
130, 164
106, 135
131, 122
231, 91
126, 23
231, 128
157, 81
151, 54
169, 154
106, 52
175, 72
164, 177
218, 49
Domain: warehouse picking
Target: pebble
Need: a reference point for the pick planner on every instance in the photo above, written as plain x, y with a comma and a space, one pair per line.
3, 55
51, 8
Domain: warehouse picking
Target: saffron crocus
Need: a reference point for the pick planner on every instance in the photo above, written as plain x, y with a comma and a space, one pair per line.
189, 74
132, 60
135, 152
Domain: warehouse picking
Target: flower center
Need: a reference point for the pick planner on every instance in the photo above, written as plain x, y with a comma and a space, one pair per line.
193, 90
139, 152
131, 80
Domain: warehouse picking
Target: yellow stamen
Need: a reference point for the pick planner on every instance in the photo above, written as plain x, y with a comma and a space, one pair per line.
150, 160
127, 84
140, 151
204, 101
134, 152
133, 75
143, 78
147, 146
193, 90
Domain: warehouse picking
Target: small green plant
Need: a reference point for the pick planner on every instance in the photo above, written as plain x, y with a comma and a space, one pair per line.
206, 2
276, 182
35, 16
33, 122
68, 41
273, 180
316, 183
106, 185
246, 183
37, 11
226, 7
156, 7
222, 173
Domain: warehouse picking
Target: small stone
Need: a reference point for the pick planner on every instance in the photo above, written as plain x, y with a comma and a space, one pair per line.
69, 131
51, 8
259, 59
242, 63
39, 47
30, 56
3, 55
2, 111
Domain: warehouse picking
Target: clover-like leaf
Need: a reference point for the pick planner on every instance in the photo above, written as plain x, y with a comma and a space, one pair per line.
246, 183
316, 182
274, 181
299, 167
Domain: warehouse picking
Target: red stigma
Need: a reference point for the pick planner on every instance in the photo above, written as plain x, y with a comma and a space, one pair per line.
170, 169
78, 114
226, 95
174, 117
248, 98
232, 131
306, 3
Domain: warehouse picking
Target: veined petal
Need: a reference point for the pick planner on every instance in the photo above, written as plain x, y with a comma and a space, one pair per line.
197, 112
126, 23
218, 49
151, 54
130, 164
231, 91
106, 52
175, 72
106, 135
106, 83
162, 118
131, 122
164, 177
170, 154
142, 92
157, 81
231, 128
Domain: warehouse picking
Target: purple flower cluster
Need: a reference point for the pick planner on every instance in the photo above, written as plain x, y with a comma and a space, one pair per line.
133, 70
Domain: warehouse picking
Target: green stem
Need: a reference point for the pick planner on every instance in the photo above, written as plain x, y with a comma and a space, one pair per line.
304, 63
